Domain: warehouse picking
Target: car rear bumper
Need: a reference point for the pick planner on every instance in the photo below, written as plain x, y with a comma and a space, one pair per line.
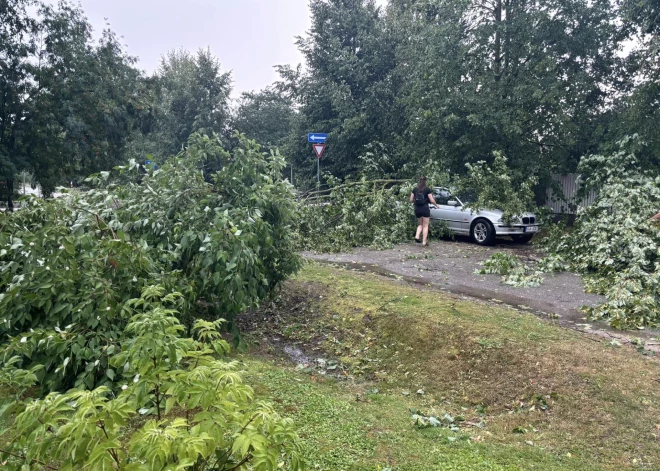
505, 230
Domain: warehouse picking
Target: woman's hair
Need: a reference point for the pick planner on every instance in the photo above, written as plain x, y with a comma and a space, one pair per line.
422, 183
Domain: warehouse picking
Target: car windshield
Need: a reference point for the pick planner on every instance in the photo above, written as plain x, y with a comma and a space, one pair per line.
465, 196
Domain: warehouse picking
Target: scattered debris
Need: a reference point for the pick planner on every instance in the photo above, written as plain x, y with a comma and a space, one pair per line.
420, 420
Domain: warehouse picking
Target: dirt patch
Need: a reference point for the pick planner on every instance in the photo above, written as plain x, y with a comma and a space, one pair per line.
286, 329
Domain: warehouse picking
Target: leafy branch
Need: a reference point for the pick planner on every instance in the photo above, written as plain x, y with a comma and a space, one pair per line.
99, 220
25, 460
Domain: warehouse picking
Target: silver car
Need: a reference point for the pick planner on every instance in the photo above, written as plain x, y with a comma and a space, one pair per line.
482, 226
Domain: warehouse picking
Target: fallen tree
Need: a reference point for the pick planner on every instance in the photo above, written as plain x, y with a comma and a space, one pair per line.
614, 244
377, 213
364, 213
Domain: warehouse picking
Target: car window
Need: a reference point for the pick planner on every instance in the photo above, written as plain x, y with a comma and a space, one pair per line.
441, 196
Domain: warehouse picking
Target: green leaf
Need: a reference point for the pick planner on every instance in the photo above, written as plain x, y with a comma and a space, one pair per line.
169, 403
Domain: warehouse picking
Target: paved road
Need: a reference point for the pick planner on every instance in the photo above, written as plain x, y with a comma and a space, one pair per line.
450, 265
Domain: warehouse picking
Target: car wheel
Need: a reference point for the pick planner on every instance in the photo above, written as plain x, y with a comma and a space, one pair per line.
522, 239
483, 232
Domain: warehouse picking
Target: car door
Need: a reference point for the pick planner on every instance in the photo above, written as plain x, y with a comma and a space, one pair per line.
452, 215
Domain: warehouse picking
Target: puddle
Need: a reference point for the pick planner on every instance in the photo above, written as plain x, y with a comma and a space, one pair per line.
318, 366
296, 355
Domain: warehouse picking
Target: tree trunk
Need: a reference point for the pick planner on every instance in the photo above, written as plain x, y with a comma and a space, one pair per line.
10, 194
507, 35
498, 39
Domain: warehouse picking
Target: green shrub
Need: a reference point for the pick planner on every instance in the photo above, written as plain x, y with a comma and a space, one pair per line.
69, 266
199, 413
63, 297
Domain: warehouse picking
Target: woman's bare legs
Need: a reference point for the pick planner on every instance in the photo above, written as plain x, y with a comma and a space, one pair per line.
418, 234
425, 229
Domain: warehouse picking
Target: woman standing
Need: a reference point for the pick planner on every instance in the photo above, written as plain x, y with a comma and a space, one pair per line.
421, 197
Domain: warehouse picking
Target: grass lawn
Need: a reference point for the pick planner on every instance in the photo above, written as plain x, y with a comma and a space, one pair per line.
533, 395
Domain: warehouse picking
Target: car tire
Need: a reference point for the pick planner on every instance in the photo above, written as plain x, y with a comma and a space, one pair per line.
482, 232
522, 239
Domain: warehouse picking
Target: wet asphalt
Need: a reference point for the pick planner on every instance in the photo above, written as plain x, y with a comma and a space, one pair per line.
451, 264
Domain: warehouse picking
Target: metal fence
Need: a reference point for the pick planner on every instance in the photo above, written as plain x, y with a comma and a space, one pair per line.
570, 187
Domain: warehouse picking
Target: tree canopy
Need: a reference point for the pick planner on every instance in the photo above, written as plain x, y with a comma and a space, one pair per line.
67, 105
71, 105
452, 82
398, 87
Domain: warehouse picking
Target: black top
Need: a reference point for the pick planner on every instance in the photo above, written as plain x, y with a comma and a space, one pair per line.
425, 191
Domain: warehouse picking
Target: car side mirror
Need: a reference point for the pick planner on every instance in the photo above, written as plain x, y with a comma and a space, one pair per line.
452, 203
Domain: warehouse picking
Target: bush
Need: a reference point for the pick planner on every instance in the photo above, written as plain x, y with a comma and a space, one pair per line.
201, 415
99, 291
63, 295
68, 266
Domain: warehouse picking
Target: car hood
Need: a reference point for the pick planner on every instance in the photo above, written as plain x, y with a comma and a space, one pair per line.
497, 213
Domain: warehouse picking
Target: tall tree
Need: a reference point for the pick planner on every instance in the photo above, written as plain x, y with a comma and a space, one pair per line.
266, 116
87, 101
68, 105
348, 62
530, 79
190, 94
639, 110
17, 30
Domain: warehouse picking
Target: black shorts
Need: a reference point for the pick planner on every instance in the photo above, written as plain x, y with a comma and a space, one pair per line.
422, 211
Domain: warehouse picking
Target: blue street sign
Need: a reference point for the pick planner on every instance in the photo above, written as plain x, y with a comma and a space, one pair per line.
316, 137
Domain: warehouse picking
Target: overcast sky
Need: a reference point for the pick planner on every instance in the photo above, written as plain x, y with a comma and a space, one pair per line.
248, 36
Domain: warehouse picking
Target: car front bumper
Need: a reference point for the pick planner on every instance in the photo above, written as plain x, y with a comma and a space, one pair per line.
504, 230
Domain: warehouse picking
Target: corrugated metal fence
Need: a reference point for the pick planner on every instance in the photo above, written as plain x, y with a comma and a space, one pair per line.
569, 203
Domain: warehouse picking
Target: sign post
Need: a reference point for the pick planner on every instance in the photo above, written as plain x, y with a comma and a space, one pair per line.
318, 144
318, 150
